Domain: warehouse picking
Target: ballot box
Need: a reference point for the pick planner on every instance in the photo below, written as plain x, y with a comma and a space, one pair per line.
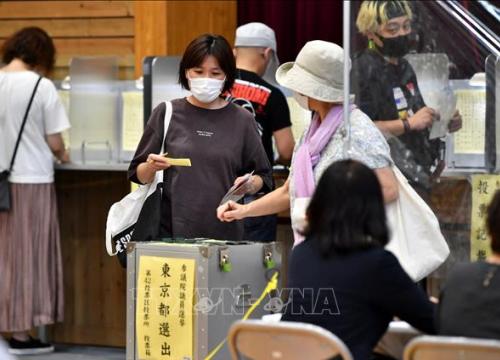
183, 296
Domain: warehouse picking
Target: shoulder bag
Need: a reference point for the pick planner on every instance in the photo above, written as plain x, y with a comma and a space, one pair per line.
416, 238
136, 217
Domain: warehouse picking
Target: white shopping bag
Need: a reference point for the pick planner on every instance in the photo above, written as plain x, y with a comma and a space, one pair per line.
416, 239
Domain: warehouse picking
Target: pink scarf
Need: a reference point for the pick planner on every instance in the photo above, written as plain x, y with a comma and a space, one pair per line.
308, 155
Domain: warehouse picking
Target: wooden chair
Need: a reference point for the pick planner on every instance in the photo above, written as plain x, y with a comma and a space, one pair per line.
259, 340
452, 348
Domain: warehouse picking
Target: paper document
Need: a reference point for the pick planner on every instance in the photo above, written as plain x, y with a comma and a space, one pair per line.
176, 162
238, 190
132, 117
179, 162
439, 129
470, 138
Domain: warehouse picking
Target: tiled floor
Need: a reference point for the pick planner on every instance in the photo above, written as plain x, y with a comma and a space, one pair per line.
66, 352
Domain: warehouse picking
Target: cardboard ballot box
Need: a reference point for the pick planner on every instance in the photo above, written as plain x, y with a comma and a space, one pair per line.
183, 297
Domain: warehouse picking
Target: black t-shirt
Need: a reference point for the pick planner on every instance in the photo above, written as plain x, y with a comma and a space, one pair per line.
222, 145
355, 295
470, 302
385, 91
266, 102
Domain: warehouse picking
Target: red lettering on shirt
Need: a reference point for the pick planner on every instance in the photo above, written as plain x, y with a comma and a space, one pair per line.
250, 91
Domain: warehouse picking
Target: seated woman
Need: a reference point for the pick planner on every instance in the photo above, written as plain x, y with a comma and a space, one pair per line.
340, 277
469, 302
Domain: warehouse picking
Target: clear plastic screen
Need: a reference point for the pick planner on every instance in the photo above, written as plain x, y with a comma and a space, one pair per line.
438, 58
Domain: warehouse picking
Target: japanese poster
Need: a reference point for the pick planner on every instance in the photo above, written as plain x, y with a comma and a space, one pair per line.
483, 189
133, 125
164, 316
472, 106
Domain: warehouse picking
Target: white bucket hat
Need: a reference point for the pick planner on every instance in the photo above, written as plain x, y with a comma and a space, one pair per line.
318, 72
257, 34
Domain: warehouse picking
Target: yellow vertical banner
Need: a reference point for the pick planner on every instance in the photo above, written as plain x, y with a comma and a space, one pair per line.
483, 189
164, 308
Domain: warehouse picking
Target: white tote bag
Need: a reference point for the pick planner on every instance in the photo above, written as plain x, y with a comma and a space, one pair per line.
123, 215
416, 239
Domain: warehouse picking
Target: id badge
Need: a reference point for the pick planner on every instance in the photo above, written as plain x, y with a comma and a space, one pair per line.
399, 98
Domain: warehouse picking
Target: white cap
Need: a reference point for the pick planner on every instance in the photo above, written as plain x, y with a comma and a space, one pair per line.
259, 35
255, 35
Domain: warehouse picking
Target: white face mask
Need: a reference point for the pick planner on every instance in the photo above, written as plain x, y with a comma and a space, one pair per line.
206, 90
302, 100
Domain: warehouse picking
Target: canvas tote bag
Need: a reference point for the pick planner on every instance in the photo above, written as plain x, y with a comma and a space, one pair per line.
136, 217
416, 239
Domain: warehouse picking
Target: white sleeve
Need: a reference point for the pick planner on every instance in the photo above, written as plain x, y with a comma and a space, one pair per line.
54, 115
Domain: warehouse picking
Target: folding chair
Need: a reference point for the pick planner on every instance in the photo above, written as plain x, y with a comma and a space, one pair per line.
259, 340
452, 348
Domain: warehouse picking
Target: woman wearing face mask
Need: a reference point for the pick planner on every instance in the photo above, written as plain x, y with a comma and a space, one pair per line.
220, 138
316, 78
386, 89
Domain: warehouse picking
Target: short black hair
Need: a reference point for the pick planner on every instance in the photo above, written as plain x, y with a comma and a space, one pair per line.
33, 46
493, 222
203, 46
347, 212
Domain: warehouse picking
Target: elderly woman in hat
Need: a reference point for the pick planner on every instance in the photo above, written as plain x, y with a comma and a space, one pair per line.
316, 78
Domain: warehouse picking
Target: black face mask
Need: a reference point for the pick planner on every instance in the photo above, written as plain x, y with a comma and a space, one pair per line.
395, 47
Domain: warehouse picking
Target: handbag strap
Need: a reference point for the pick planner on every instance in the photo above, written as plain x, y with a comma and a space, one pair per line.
23, 124
166, 124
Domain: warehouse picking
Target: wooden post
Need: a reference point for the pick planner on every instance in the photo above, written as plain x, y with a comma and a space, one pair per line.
166, 27
150, 31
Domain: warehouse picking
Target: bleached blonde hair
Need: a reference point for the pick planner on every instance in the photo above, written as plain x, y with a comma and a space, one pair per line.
372, 14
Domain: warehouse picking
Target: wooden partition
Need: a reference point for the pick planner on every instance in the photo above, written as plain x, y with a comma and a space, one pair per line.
130, 30
79, 28
94, 283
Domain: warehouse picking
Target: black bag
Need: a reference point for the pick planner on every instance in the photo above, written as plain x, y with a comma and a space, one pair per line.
137, 217
5, 199
4, 190
147, 227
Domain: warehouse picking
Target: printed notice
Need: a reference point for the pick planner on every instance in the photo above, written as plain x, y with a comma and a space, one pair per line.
64, 96
483, 189
164, 309
472, 106
133, 125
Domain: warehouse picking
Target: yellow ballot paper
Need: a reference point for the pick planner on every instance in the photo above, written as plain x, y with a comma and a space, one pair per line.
179, 162
483, 189
176, 162
164, 309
